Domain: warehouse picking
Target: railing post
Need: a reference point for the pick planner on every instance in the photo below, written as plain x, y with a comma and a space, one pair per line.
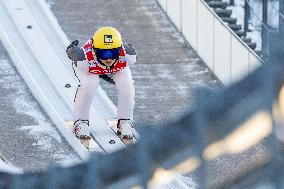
246, 17
264, 32
281, 28
281, 19
276, 39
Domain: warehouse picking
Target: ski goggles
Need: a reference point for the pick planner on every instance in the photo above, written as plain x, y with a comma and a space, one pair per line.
105, 54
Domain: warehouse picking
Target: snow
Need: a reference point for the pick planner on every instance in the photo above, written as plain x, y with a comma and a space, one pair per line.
44, 132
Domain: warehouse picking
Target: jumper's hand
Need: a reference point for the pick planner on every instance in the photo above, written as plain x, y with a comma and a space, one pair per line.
129, 49
75, 53
73, 44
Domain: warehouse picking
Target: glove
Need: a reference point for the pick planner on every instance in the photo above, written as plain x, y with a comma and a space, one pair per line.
75, 53
73, 44
129, 49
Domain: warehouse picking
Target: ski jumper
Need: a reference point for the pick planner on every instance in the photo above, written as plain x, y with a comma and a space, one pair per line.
88, 71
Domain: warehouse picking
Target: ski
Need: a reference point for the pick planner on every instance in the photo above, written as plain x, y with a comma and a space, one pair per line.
96, 147
113, 125
90, 144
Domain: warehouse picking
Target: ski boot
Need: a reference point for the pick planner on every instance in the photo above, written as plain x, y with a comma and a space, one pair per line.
125, 128
81, 129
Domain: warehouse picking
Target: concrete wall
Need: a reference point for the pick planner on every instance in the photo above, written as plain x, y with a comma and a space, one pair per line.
220, 48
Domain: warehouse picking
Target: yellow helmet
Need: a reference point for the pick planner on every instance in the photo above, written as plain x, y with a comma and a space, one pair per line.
107, 38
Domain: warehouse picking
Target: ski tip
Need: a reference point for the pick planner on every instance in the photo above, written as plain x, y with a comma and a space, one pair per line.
86, 142
127, 141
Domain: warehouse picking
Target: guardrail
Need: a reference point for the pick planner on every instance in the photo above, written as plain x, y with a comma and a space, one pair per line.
221, 49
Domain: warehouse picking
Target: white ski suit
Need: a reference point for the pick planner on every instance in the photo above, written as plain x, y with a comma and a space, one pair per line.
89, 82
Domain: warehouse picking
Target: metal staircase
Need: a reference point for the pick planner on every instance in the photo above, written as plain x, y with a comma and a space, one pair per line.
219, 8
